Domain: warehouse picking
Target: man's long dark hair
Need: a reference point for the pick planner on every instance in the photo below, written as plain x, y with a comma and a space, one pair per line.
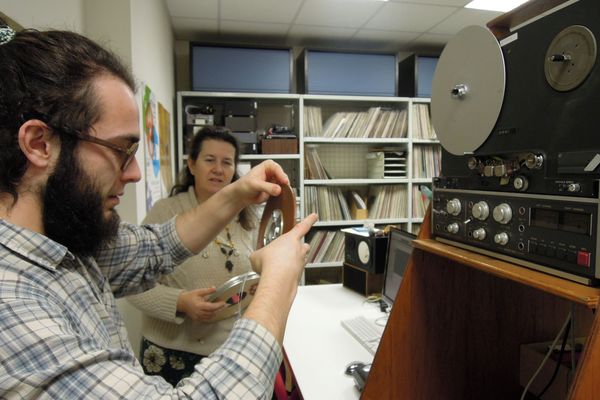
186, 179
49, 76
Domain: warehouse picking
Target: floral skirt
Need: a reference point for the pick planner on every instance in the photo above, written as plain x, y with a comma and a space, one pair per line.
173, 365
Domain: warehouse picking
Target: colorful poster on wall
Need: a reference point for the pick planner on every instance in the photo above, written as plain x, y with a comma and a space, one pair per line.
154, 184
164, 138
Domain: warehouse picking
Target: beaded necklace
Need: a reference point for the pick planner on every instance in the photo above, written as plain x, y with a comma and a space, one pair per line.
227, 247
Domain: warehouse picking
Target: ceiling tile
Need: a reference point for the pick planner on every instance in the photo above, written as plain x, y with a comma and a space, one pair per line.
453, 3
193, 8
282, 11
373, 34
338, 13
409, 17
464, 17
432, 39
304, 31
253, 28
187, 26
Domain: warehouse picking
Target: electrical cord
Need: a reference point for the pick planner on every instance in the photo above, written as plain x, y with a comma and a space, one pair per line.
558, 363
560, 333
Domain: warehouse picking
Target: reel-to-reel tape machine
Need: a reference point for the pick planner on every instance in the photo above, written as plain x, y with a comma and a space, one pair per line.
519, 122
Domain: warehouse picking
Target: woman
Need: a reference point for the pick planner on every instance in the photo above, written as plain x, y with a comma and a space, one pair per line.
176, 333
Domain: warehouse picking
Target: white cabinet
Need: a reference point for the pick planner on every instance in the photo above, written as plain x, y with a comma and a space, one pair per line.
381, 149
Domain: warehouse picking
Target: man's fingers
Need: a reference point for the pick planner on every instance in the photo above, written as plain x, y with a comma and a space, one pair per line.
272, 189
304, 226
275, 173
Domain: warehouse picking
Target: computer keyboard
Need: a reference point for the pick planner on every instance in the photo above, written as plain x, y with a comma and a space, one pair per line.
364, 331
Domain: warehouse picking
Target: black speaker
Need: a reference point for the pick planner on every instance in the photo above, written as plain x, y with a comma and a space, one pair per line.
365, 252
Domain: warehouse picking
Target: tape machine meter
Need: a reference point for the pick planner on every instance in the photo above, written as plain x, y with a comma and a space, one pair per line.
518, 120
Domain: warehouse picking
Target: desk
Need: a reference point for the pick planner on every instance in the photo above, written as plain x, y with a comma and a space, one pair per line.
316, 345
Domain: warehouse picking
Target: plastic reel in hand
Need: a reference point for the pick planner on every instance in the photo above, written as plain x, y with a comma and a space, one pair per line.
279, 216
237, 294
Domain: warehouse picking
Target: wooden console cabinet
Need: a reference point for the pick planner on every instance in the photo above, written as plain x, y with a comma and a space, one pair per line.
459, 319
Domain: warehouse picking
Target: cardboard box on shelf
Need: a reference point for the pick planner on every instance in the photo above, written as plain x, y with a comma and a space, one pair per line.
279, 146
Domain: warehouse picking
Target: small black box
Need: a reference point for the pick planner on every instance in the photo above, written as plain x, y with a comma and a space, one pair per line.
361, 281
240, 108
365, 252
240, 124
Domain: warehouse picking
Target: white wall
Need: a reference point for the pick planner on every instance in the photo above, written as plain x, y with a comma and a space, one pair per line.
152, 64
40, 14
139, 32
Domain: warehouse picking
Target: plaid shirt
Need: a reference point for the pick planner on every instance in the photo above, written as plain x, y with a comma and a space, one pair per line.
61, 335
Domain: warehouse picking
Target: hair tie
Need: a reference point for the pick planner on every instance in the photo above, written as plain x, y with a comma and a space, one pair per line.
6, 34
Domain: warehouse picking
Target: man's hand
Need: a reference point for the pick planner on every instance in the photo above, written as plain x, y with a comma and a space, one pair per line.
198, 226
261, 182
280, 264
193, 304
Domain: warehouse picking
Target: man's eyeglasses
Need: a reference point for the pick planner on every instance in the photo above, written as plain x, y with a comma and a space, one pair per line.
126, 153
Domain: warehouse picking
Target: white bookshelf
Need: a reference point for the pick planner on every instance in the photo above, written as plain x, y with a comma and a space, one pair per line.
343, 157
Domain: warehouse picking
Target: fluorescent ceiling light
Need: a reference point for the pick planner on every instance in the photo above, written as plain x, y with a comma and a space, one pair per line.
495, 5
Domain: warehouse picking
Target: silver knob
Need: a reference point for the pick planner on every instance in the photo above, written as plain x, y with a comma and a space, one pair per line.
573, 187
453, 207
502, 213
521, 183
480, 210
501, 238
479, 233
452, 228
459, 90
534, 161
473, 163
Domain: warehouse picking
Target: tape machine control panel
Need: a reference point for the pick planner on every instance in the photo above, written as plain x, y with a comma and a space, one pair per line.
537, 232
517, 117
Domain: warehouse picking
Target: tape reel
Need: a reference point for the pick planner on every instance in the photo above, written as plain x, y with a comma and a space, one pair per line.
279, 216
237, 293
468, 90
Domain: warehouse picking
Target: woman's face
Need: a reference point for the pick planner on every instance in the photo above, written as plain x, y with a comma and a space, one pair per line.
214, 168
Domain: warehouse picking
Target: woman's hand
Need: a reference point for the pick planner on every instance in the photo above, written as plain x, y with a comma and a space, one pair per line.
193, 304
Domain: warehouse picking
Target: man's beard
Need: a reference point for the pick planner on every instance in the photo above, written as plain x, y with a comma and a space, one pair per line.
73, 214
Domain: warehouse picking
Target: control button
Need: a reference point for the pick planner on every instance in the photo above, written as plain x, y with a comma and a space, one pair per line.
502, 213
541, 250
453, 207
452, 228
573, 187
533, 247
501, 238
480, 210
583, 258
571, 256
551, 251
522, 210
479, 233
521, 183
561, 253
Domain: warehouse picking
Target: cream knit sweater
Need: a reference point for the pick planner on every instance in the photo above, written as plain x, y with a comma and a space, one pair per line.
161, 324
